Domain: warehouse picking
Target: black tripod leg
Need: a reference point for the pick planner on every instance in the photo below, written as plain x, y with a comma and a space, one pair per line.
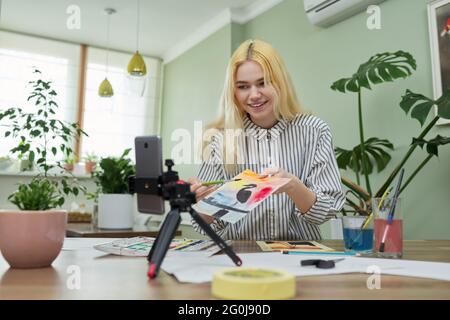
215, 237
162, 242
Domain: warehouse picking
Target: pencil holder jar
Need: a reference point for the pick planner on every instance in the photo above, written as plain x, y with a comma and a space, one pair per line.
358, 235
388, 227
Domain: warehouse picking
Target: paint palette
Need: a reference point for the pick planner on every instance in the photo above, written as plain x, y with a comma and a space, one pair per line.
232, 201
140, 246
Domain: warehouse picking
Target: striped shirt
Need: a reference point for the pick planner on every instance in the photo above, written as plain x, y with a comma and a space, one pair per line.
303, 147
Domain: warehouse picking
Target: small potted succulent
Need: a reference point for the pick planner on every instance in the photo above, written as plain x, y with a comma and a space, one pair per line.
115, 203
90, 162
33, 235
69, 163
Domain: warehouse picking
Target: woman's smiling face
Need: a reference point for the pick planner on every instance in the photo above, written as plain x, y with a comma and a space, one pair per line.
254, 95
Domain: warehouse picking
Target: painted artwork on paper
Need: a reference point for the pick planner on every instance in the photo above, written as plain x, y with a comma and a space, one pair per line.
233, 200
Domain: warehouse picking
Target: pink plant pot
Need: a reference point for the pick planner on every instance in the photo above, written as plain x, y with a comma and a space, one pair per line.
31, 239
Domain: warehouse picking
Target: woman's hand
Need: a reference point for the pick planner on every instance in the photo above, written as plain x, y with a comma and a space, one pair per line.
200, 193
280, 173
303, 198
199, 190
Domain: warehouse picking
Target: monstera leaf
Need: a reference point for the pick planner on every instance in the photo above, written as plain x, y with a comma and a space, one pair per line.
431, 145
420, 106
374, 152
382, 67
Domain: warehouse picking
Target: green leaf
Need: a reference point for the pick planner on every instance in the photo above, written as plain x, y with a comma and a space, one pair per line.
382, 67
31, 156
113, 174
412, 101
433, 144
339, 85
35, 133
443, 105
375, 152
421, 111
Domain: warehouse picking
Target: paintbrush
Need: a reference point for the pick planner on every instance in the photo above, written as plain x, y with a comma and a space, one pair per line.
369, 218
211, 183
392, 211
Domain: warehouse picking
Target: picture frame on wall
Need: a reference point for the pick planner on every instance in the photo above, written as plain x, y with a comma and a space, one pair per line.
439, 29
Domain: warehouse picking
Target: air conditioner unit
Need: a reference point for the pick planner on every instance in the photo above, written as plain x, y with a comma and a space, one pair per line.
325, 13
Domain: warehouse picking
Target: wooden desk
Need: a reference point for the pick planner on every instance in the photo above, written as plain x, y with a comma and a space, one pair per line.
114, 277
87, 230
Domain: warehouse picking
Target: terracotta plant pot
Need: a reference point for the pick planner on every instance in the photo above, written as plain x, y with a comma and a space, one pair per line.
31, 239
90, 166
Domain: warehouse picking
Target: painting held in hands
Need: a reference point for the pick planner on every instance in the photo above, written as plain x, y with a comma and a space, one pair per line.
232, 201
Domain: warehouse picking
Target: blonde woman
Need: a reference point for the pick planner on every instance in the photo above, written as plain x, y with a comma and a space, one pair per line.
262, 127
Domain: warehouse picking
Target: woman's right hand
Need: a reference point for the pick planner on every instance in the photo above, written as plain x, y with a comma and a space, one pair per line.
199, 190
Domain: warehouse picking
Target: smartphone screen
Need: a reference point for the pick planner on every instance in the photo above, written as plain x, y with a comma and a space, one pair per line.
149, 165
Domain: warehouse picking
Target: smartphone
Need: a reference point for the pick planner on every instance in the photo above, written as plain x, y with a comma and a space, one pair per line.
149, 165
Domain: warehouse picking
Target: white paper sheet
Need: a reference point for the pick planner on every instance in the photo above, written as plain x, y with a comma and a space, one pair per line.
73, 244
197, 269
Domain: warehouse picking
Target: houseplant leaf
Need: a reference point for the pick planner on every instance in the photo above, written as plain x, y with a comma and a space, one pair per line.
443, 105
420, 106
374, 152
113, 173
409, 101
433, 144
380, 68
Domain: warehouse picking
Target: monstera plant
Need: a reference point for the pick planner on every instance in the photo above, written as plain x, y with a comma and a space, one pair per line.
382, 68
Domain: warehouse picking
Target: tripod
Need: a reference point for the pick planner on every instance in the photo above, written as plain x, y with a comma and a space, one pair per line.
178, 193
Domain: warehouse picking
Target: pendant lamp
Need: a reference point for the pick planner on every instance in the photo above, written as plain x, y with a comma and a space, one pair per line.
105, 89
136, 66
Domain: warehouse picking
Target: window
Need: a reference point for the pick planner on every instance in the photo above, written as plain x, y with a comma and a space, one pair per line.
113, 123
58, 62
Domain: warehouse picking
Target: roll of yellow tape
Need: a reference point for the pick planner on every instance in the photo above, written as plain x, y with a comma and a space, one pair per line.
253, 284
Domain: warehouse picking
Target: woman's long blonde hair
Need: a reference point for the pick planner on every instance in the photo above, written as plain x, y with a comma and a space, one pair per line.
286, 105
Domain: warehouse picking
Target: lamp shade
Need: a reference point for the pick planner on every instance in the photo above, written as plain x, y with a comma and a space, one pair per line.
105, 90
136, 66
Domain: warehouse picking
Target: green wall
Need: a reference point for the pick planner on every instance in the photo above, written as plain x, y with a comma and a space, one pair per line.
192, 86
315, 58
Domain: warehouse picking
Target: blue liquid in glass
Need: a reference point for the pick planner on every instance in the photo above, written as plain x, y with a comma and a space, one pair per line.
357, 240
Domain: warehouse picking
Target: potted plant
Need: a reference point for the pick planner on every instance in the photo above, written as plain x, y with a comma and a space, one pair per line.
90, 162
69, 162
33, 235
115, 203
381, 68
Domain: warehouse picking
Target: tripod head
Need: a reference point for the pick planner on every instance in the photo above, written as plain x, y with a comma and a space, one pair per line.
167, 185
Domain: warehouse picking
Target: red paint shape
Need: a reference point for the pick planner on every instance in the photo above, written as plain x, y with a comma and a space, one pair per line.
262, 194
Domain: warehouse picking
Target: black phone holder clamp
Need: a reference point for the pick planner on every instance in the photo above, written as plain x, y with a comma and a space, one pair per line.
180, 197
168, 186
